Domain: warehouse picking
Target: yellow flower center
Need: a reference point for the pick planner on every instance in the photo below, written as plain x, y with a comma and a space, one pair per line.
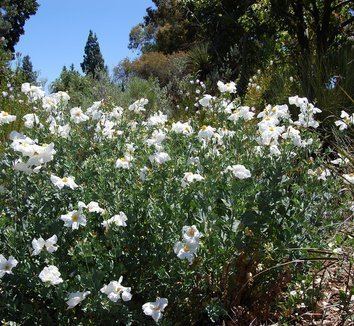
75, 217
65, 179
191, 232
5, 113
186, 248
271, 128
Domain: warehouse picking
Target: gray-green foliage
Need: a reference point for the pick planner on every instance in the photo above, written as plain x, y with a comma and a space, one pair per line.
244, 222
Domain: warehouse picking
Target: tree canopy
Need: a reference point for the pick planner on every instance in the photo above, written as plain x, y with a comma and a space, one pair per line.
13, 15
93, 62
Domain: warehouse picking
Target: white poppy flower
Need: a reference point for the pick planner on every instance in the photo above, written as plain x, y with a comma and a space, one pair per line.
30, 119
155, 309
75, 298
206, 133
77, 115
182, 128
139, 105
51, 275
39, 244
63, 182
206, 101
157, 119
190, 177
185, 250
191, 234
159, 158
74, 219
116, 291
6, 118
6, 265
239, 171
346, 120
124, 162
119, 220
244, 112
93, 207
226, 88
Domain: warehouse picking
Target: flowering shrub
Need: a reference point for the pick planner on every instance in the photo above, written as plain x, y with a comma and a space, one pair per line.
106, 209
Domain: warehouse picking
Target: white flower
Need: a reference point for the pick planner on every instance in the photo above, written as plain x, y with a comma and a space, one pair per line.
116, 291
30, 119
124, 162
49, 244
6, 118
33, 93
63, 182
93, 207
185, 250
244, 112
37, 154
6, 265
77, 115
191, 234
239, 171
227, 88
349, 178
139, 105
206, 133
159, 158
61, 131
116, 113
158, 136
51, 275
94, 111
182, 128
119, 220
340, 160
298, 101
190, 177
346, 121
157, 119
75, 298
74, 219
270, 135
155, 309
206, 101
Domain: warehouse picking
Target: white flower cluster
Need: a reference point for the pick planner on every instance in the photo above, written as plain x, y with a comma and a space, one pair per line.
38, 155
187, 248
153, 135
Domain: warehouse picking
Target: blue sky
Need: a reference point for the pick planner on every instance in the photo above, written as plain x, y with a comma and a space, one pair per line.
57, 34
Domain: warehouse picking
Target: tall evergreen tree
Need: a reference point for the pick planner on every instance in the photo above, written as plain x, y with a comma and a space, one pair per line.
93, 62
30, 75
13, 15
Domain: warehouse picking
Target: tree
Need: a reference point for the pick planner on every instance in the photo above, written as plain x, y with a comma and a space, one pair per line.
222, 27
93, 63
317, 29
13, 15
30, 75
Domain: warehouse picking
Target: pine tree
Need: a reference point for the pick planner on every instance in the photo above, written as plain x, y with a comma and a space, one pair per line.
30, 76
13, 15
93, 63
